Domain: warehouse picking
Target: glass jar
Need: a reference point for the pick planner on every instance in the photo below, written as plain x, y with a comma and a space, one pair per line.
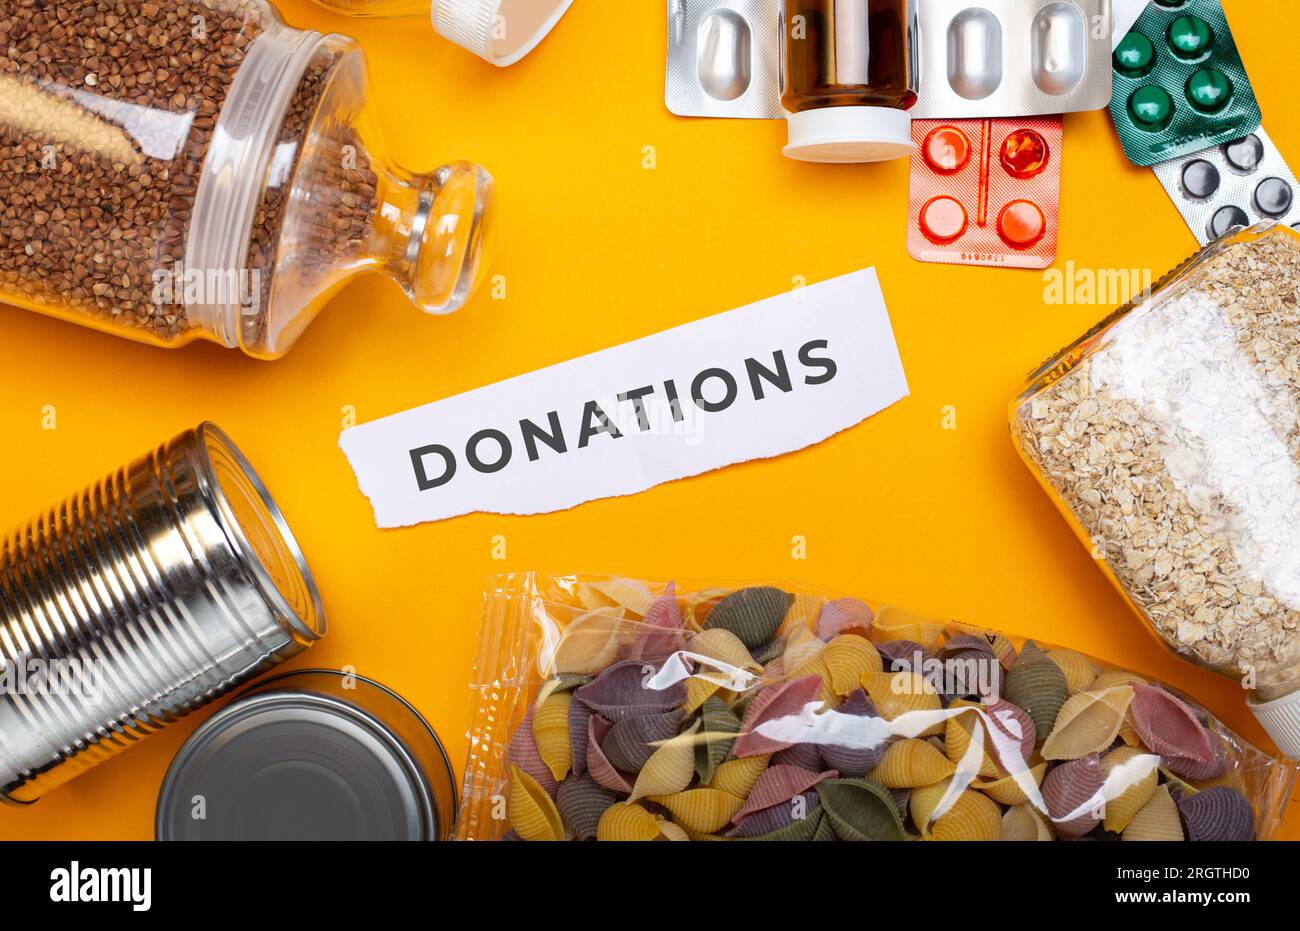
498, 31
197, 169
1169, 437
850, 77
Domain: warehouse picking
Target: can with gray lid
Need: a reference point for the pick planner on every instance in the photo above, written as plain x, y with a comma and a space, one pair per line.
310, 756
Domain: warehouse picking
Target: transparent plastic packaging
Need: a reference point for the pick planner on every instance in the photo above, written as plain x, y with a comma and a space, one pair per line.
377, 7
724, 59
199, 170
617, 709
1169, 437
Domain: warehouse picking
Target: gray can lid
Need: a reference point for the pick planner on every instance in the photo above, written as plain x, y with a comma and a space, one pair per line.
295, 765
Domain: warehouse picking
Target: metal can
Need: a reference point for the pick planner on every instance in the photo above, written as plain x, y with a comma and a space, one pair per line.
125, 607
317, 755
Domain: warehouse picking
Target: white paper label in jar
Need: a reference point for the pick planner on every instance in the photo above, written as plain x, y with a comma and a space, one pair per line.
751, 383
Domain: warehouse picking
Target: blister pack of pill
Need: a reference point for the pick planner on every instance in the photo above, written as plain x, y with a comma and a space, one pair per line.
1180, 84
1232, 185
724, 59
1004, 58
986, 192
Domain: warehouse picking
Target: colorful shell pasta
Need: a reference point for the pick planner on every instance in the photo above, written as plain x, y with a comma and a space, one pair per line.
615, 709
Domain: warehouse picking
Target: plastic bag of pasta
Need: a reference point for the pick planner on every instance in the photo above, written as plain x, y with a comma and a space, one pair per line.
615, 709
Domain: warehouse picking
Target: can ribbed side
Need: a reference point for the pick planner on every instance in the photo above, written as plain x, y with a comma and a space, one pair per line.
131, 604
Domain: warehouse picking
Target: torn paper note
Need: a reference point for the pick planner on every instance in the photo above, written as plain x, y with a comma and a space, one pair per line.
759, 381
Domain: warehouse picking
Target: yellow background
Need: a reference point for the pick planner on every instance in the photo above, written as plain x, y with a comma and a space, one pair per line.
597, 251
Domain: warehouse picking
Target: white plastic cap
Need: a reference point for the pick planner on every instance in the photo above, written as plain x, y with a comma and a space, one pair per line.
850, 134
498, 31
1281, 718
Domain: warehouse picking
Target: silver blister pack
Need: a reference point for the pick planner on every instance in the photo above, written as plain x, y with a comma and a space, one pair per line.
724, 58
1234, 184
1012, 58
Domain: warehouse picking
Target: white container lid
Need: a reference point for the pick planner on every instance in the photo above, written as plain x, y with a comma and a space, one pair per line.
850, 134
1281, 718
498, 31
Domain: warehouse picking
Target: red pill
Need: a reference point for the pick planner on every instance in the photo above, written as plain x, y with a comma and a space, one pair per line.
946, 149
1024, 153
1021, 224
943, 219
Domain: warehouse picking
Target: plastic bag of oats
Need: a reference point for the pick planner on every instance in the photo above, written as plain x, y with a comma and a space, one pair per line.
1169, 437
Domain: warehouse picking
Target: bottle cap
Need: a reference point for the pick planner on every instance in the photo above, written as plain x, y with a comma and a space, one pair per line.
1281, 718
498, 31
850, 134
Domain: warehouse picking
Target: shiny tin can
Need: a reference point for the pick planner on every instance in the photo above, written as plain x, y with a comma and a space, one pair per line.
316, 755
150, 593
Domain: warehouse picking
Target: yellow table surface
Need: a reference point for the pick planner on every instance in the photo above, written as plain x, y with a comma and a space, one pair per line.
596, 251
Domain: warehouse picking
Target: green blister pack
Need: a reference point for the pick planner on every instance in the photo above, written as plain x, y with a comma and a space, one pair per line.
1180, 84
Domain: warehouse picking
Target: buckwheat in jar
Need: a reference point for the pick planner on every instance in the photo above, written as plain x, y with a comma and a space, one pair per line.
195, 169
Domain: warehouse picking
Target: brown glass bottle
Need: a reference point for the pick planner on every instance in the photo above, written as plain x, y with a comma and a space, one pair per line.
852, 54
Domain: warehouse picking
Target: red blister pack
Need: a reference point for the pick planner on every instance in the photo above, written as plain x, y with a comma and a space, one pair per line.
986, 192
